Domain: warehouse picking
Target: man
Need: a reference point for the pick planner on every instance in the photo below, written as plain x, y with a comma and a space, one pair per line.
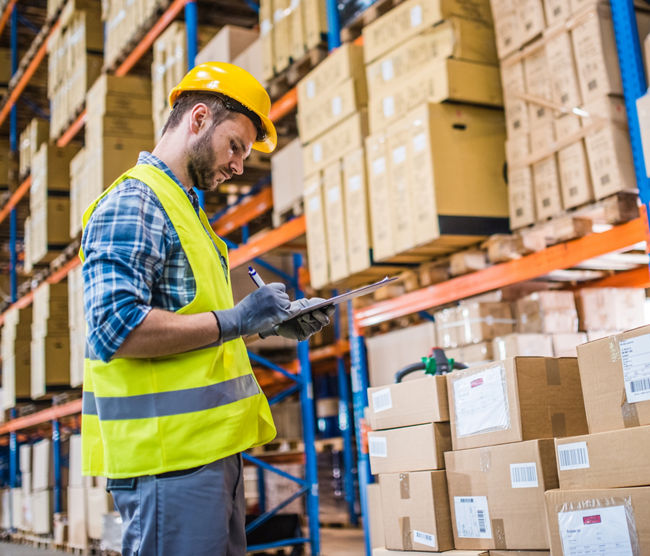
170, 400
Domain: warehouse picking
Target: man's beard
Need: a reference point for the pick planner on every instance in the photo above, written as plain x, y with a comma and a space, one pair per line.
200, 163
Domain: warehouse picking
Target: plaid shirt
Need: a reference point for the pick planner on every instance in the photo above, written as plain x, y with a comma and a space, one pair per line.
134, 262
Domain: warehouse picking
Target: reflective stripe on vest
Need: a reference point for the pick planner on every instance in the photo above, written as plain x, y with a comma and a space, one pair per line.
149, 416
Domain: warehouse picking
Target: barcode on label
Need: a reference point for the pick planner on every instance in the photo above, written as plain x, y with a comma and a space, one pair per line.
480, 517
377, 446
466, 500
424, 538
573, 456
523, 475
641, 385
381, 400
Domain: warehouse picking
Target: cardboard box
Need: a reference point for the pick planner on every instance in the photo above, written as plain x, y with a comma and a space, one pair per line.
375, 517
266, 37
514, 85
484, 321
610, 308
315, 12
42, 468
546, 182
455, 38
564, 345
76, 478
77, 523
599, 521
251, 59
316, 232
297, 32
531, 18
475, 354
387, 552
413, 17
228, 43
357, 216
98, 503
523, 398
25, 458
547, 312
413, 402
379, 196
521, 201
522, 345
335, 222
556, 11
611, 459
575, 180
390, 352
507, 32
517, 148
464, 262
287, 177
538, 84
616, 381
343, 64
542, 137
496, 494
415, 509
391, 451
42, 512
437, 81
565, 88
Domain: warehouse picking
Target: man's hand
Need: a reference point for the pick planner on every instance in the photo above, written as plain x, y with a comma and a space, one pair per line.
258, 311
302, 327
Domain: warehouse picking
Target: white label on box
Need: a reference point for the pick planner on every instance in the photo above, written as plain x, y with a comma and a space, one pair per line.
596, 531
472, 517
416, 16
317, 152
420, 142
481, 403
523, 475
424, 538
311, 89
278, 15
389, 106
337, 106
314, 204
635, 358
377, 446
379, 166
381, 400
399, 155
573, 456
354, 183
387, 72
333, 195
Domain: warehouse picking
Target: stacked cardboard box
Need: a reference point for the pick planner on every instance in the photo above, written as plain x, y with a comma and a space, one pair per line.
412, 483
567, 131
603, 475
227, 44
49, 202
50, 346
332, 121
16, 355
288, 29
606, 311
287, 178
118, 127
36, 133
74, 62
169, 66
77, 326
504, 416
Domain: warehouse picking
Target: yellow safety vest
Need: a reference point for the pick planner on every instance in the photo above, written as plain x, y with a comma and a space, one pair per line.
149, 416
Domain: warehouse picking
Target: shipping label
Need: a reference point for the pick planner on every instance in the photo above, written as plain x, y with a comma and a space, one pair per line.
523, 475
381, 400
635, 359
424, 538
472, 517
481, 403
573, 456
377, 446
595, 531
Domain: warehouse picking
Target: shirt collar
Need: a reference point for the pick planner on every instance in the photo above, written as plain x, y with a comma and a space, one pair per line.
146, 157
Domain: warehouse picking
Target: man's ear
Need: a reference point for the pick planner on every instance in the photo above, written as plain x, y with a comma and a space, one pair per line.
198, 117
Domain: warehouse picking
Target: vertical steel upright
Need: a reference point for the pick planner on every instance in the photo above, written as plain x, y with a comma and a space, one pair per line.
56, 455
359, 376
333, 25
308, 429
13, 466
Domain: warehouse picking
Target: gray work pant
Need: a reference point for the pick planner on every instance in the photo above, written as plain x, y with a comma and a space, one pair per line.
200, 512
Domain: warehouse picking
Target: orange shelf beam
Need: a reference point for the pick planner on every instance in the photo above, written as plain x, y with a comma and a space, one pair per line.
636, 278
284, 105
72, 131
44, 416
532, 266
244, 212
6, 15
268, 241
15, 198
62, 272
145, 44
24, 80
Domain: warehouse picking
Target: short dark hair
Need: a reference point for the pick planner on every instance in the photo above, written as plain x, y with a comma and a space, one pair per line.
221, 106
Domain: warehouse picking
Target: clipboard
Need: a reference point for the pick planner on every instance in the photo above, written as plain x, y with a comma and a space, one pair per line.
336, 300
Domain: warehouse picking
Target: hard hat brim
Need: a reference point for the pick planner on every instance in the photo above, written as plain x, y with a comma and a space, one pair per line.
271, 140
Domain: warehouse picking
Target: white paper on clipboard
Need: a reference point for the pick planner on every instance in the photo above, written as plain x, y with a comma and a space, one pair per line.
364, 290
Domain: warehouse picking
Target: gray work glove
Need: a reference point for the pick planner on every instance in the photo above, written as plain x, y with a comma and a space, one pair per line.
302, 327
260, 310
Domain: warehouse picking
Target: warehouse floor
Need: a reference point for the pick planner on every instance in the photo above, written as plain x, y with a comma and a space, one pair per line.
335, 542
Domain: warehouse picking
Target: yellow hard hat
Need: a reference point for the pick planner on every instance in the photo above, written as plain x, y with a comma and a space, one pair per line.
236, 83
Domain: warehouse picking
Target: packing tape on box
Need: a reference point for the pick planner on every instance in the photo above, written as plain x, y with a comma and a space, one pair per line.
498, 534
553, 372
404, 486
405, 528
485, 461
629, 412
614, 349
558, 424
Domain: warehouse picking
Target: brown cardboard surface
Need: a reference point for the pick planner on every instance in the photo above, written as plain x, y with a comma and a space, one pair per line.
522, 345
42, 512
375, 517
379, 195
531, 18
400, 202
501, 477
391, 451
610, 308
601, 373
575, 179
538, 84
523, 398
520, 196
335, 221
472, 354
77, 534
385, 552
357, 217
547, 312
412, 402
507, 31
546, 183
562, 68
519, 553
287, 176
513, 83
564, 345
99, 502
43, 476
542, 136
415, 509
316, 231
630, 506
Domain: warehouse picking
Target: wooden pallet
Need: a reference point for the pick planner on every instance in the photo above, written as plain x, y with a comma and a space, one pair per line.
353, 29
283, 216
297, 69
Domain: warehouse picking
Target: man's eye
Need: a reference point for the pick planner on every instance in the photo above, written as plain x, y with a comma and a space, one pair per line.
233, 147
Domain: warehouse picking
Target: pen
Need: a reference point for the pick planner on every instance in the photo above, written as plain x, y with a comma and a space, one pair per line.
255, 277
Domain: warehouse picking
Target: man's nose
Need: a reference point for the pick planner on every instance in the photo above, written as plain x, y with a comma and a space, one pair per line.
237, 166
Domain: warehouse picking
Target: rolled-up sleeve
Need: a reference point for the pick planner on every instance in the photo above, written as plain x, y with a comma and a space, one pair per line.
124, 244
